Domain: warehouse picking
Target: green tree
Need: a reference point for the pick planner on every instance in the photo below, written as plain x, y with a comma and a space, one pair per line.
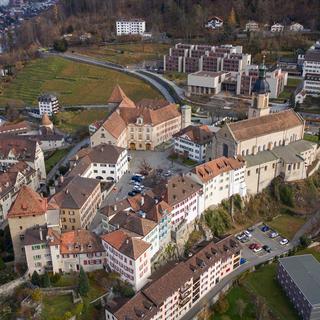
46, 280
305, 241
83, 287
37, 295
35, 278
60, 45
218, 220
222, 306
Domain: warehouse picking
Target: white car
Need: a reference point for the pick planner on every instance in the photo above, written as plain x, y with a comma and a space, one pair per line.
137, 188
284, 241
247, 233
240, 236
257, 249
273, 234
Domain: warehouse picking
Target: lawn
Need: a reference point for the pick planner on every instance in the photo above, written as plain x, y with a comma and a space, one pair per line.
287, 225
74, 83
235, 294
314, 251
54, 307
292, 82
71, 121
126, 54
177, 77
264, 284
312, 138
55, 158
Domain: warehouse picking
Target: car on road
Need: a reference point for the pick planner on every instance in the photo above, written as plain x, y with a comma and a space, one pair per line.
284, 241
266, 248
167, 173
264, 228
132, 193
273, 234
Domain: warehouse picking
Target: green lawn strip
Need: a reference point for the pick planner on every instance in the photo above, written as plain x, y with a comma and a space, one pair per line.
55, 306
292, 82
311, 138
287, 225
235, 294
263, 283
55, 158
312, 251
73, 82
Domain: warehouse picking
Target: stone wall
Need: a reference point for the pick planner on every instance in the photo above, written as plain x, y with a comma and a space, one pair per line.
8, 288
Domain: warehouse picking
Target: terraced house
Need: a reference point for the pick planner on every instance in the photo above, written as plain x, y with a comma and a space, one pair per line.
137, 126
174, 290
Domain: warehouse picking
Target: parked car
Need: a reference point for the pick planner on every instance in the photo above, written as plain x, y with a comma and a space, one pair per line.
132, 193
264, 228
258, 248
266, 248
284, 241
136, 178
138, 175
244, 239
137, 188
247, 233
241, 236
273, 234
250, 229
252, 246
168, 173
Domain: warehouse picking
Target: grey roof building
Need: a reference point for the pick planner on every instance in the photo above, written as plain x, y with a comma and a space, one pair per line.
299, 276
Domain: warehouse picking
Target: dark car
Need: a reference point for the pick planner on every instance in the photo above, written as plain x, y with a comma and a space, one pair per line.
132, 193
265, 228
266, 248
136, 178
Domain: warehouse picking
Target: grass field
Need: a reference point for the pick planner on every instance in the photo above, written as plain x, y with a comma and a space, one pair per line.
126, 54
54, 307
55, 158
71, 121
264, 284
312, 138
287, 225
74, 83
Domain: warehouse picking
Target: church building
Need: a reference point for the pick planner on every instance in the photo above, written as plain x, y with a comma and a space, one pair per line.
271, 144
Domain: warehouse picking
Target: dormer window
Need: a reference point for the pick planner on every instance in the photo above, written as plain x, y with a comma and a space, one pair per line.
140, 120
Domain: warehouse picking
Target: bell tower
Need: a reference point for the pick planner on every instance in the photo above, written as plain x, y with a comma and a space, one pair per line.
260, 95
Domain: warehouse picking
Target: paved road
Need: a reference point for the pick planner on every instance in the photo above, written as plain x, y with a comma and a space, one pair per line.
90, 60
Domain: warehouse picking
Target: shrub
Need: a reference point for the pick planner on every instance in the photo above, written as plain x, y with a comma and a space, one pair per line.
35, 279
36, 295
222, 306
55, 277
45, 281
286, 195
218, 220
60, 45
83, 287
305, 241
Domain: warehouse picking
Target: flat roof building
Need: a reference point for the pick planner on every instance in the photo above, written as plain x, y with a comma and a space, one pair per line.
299, 277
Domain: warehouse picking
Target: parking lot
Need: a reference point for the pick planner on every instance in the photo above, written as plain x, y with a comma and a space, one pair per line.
156, 159
262, 238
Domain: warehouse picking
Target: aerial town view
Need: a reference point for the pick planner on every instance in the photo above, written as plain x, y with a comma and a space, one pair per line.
159, 160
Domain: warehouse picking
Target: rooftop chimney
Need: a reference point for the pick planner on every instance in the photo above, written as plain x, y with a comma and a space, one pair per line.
142, 201
40, 233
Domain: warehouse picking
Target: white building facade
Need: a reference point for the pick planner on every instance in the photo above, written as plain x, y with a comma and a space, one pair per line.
130, 27
49, 104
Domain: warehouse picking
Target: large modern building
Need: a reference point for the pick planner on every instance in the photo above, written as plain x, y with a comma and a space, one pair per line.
311, 71
130, 27
139, 126
175, 289
299, 276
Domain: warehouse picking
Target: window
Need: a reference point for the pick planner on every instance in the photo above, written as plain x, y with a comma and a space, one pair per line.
248, 173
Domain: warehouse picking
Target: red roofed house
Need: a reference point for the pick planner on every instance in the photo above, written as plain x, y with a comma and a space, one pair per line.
140, 126
220, 179
129, 256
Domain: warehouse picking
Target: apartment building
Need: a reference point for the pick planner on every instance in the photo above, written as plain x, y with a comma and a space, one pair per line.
49, 250
12, 179
192, 142
130, 27
220, 179
184, 196
22, 127
104, 162
252, 26
20, 148
311, 84
140, 126
48, 103
129, 256
311, 62
137, 225
299, 277
276, 77
78, 202
176, 288
192, 58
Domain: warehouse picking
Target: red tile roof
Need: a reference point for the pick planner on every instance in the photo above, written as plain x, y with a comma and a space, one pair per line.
28, 203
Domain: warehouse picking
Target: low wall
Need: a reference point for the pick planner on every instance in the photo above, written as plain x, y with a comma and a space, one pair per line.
8, 288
